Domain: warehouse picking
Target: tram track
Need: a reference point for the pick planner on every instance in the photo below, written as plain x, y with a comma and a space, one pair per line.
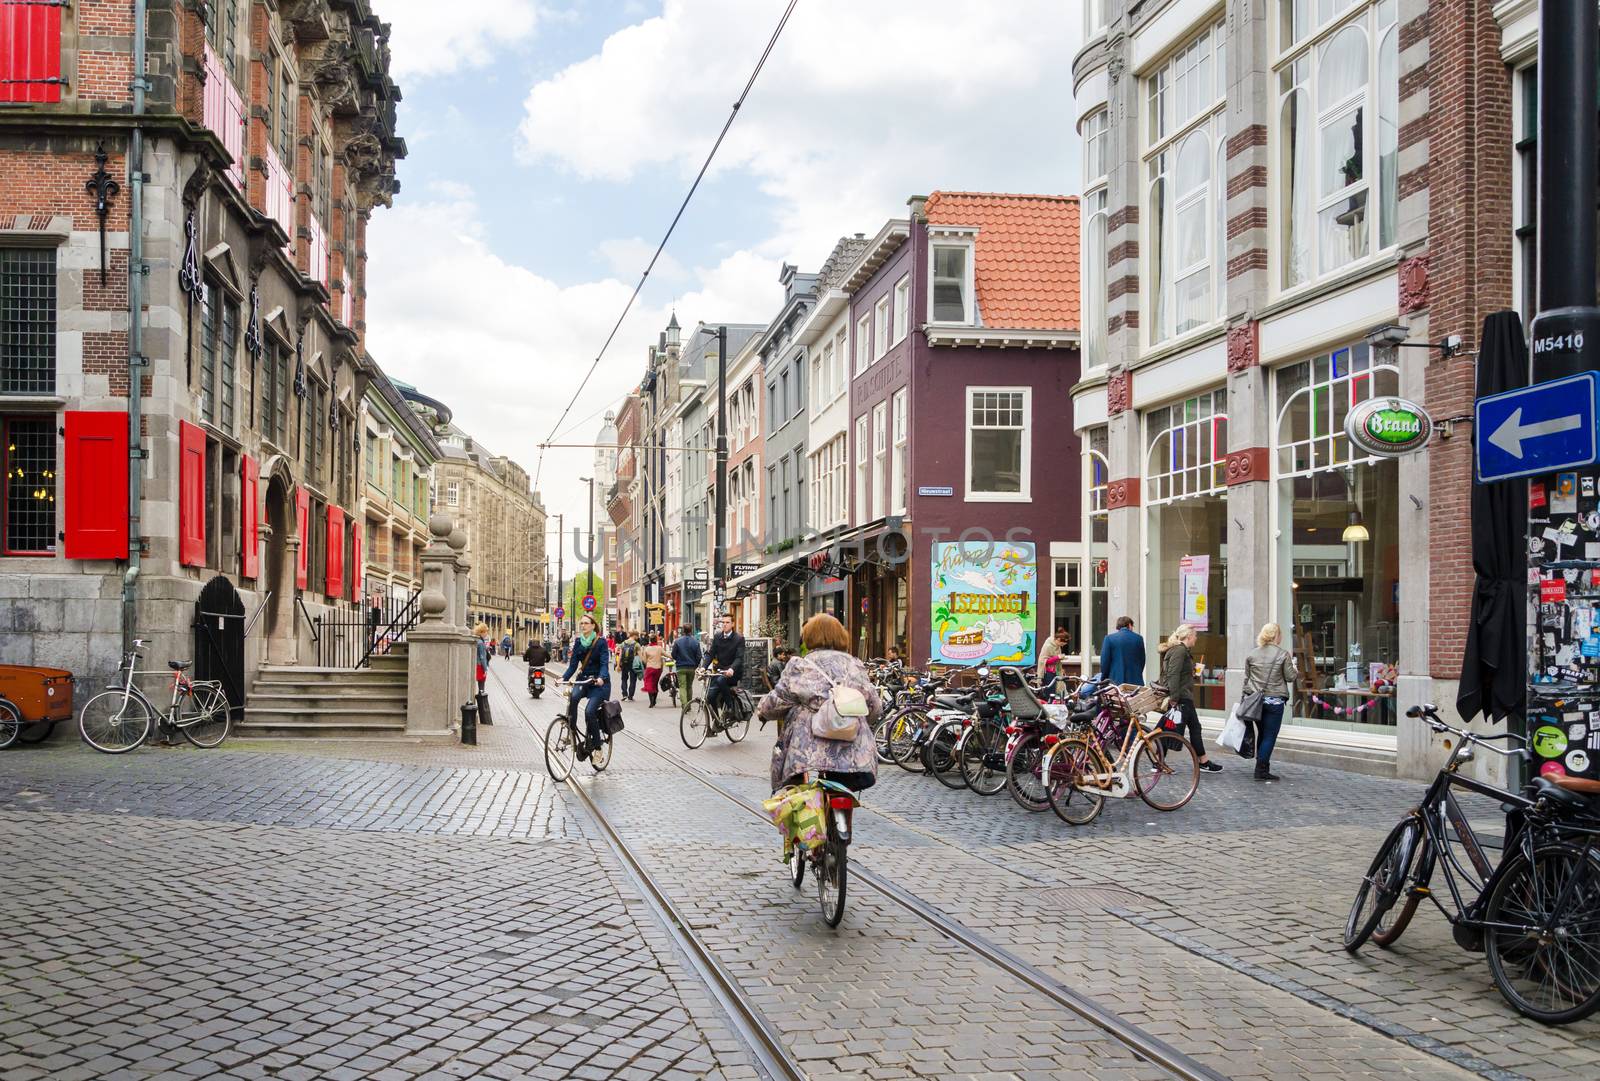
757, 1032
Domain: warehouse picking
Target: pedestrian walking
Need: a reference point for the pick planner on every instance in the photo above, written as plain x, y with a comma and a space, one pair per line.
1177, 672
482, 649
774, 672
807, 682
1050, 659
1270, 672
654, 657
566, 644
686, 655
506, 646
591, 664
1122, 654
629, 664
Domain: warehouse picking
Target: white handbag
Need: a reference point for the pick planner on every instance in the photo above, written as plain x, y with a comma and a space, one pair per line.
1233, 732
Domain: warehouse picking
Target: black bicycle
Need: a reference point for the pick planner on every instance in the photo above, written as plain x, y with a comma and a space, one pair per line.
562, 741
699, 719
1536, 915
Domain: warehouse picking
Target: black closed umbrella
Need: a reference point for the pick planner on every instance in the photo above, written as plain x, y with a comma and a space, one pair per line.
1494, 671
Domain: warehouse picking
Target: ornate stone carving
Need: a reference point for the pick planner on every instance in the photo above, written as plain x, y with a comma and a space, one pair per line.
1244, 466
1244, 346
1119, 392
1122, 493
1413, 284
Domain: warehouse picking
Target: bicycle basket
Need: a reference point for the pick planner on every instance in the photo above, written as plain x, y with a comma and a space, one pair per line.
1144, 700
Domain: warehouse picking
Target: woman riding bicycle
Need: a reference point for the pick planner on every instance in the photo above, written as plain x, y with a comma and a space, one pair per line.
591, 660
807, 682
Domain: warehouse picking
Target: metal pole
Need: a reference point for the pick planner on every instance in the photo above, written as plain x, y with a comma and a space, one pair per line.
1566, 217
719, 561
591, 538
130, 579
561, 555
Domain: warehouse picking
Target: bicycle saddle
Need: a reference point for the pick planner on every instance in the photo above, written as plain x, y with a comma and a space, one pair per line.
179, 666
1566, 798
952, 701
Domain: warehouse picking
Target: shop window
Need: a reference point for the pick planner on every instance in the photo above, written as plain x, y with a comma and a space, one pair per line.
1188, 441
27, 321
30, 466
1338, 552
1337, 134
998, 443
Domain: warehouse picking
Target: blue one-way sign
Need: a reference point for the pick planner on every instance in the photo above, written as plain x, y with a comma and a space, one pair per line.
1538, 429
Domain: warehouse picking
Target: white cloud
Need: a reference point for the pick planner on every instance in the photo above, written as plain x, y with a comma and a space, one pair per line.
859, 107
429, 37
627, 257
505, 348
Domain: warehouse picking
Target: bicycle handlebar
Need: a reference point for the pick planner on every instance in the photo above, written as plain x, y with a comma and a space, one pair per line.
1430, 714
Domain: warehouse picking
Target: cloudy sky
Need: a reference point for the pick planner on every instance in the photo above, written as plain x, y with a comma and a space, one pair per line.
550, 143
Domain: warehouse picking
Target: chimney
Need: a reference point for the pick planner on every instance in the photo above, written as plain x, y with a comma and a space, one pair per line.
919, 207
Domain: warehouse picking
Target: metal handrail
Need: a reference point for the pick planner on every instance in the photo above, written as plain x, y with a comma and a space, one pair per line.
301, 604
402, 622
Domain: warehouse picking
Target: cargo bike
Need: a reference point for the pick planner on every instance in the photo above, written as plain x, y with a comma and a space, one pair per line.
33, 700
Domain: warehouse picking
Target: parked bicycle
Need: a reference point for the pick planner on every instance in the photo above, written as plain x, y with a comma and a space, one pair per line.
699, 719
1118, 756
561, 740
120, 718
1536, 916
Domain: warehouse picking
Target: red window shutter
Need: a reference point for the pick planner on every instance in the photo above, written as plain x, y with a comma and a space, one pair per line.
302, 522
249, 548
355, 563
97, 485
191, 495
335, 552
30, 51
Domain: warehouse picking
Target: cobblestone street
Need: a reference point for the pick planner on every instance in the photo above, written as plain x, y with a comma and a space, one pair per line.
392, 910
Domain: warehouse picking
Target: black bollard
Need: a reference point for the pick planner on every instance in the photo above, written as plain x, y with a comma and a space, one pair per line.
484, 716
469, 725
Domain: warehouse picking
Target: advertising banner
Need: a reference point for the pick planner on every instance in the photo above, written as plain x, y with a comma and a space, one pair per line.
984, 597
1194, 580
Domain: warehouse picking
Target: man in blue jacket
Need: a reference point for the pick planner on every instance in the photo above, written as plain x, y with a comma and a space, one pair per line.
1122, 654
686, 657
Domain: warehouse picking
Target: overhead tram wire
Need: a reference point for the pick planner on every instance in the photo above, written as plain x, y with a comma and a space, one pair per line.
626, 308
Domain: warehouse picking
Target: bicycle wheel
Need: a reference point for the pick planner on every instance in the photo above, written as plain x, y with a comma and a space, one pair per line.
693, 724
114, 722
1381, 885
880, 735
605, 754
739, 727
204, 716
1542, 934
905, 747
940, 753
831, 874
10, 725
1073, 761
1166, 771
1417, 874
983, 758
37, 732
560, 749
1022, 774
797, 865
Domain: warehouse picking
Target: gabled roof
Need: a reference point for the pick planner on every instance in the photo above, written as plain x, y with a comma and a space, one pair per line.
1026, 267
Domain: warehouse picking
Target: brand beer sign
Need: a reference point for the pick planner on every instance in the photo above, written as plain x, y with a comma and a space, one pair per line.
1388, 427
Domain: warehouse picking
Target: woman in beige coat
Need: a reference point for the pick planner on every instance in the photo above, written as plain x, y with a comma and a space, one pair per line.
1269, 670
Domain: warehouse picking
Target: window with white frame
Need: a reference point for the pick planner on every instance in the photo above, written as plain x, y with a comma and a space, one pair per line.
950, 297
863, 489
1094, 17
898, 469
1185, 129
880, 327
841, 363
752, 498
902, 308
819, 369
1187, 443
819, 496
1093, 250
840, 462
998, 450
1313, 398
1338, 188
880, 456
863, 343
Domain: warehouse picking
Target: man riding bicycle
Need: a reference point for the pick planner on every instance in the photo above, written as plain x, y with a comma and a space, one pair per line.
725, 660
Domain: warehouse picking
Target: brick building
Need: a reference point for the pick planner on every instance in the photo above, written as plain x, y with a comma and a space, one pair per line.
624, 564
1274, 195
267, 137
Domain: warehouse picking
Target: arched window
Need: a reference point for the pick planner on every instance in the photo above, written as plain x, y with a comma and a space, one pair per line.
1313, 398
1186, 444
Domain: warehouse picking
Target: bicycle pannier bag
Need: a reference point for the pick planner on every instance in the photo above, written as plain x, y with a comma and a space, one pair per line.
611, 717
838, 717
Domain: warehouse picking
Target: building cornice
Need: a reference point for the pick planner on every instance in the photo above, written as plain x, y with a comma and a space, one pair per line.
893, 234
1000, 337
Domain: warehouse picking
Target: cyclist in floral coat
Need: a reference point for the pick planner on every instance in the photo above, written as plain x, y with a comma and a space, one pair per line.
803, 688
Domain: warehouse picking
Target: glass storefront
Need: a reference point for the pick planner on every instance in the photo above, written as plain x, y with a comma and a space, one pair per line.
1186, 534
1337, 558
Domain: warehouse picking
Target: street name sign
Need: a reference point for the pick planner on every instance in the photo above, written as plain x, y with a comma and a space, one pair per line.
1538, 429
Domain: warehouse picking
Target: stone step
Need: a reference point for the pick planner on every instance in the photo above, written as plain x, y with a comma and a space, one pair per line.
332, 676
318, 698
359, 715
273, 727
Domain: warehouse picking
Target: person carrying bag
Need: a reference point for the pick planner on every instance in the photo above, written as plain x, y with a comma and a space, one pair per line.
1269, 677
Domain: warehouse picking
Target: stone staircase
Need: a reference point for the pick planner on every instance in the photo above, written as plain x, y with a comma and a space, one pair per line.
296, 702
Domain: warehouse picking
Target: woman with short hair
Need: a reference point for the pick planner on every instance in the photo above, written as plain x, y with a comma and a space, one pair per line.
1177, 672
1269, 670
806, 684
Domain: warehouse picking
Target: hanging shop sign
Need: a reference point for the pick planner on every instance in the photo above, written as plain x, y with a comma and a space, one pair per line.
984, 604
1388, 427
1194, 583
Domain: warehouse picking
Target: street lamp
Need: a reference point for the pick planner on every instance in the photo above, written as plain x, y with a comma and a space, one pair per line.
590, 560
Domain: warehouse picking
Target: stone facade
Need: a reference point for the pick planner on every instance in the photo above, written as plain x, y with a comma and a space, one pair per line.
398, 453
268, 141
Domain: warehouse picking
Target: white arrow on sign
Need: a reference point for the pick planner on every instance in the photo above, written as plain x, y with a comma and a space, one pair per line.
1509, 436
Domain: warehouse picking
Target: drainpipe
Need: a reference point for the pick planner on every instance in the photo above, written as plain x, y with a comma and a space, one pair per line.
136, 361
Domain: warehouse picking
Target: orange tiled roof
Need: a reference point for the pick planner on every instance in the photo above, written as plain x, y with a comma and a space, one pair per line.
1027, 255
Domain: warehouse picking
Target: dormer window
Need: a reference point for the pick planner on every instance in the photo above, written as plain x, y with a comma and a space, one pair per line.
950, 297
